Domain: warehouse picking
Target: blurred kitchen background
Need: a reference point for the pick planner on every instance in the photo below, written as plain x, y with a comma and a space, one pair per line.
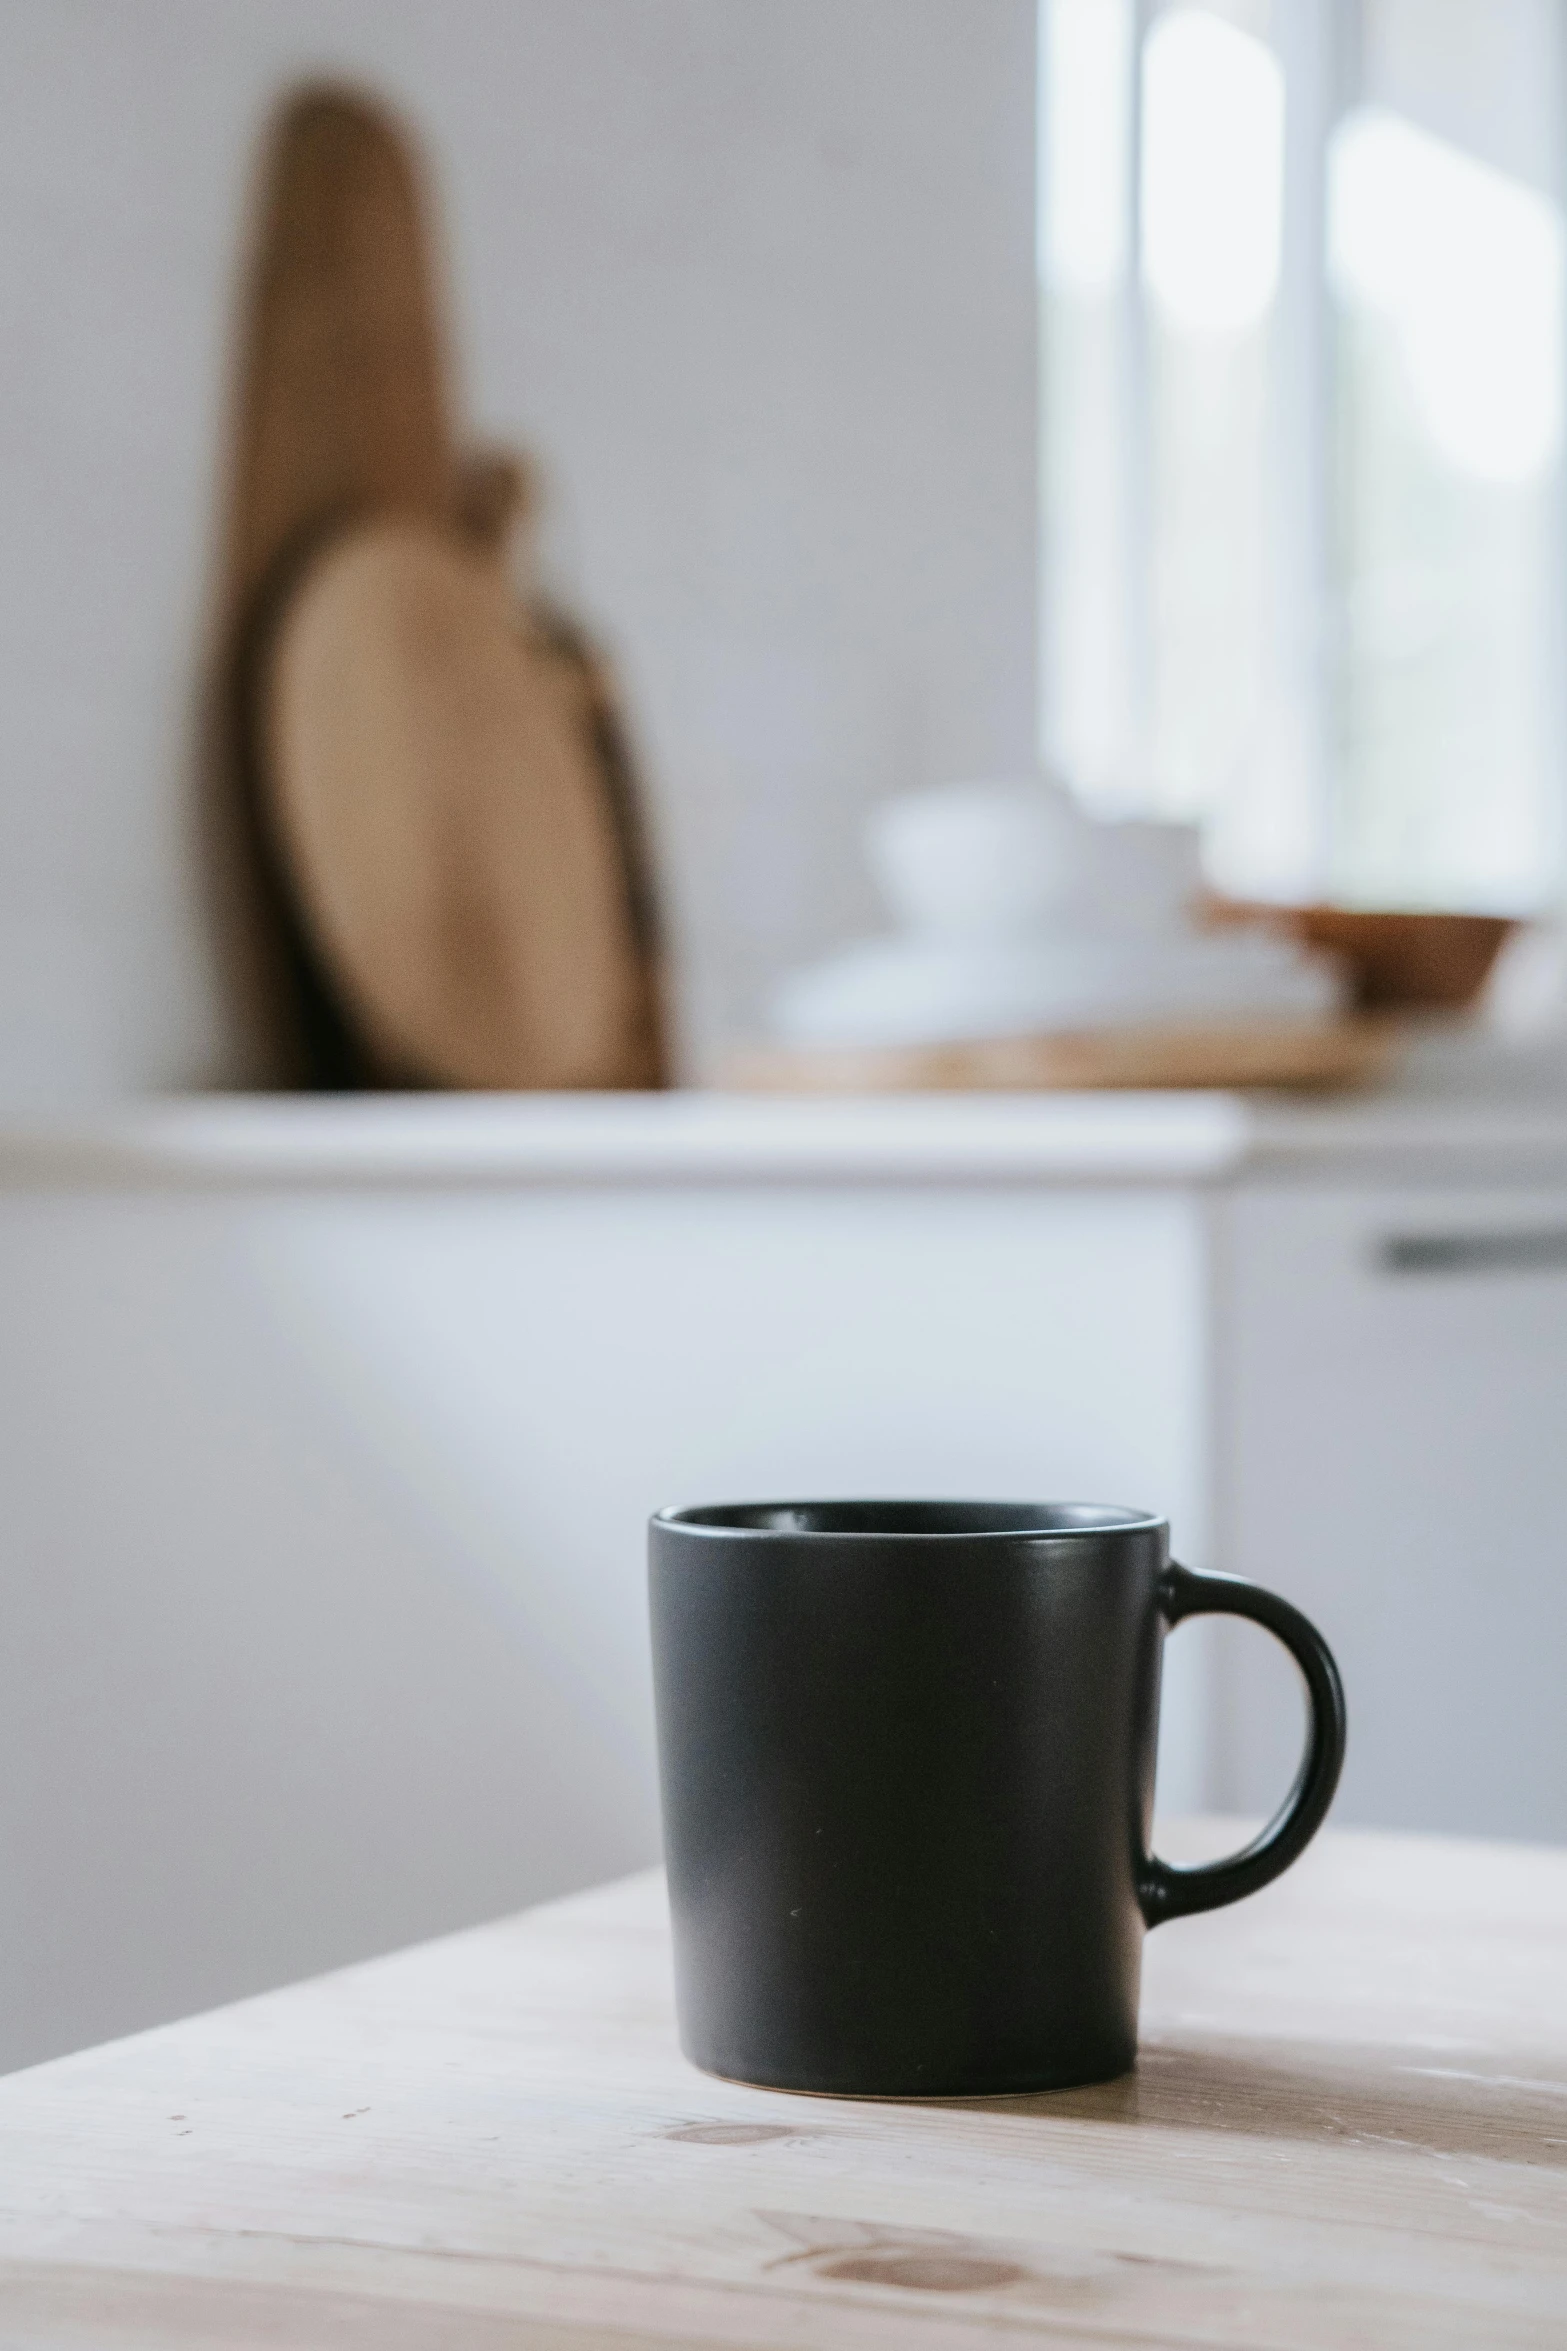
755, 287
1041, 576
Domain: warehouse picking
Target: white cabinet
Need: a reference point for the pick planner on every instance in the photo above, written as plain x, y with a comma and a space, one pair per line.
1391, 1428
328, 1435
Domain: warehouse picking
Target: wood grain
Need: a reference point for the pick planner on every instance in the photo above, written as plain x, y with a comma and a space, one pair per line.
1308, 1054
1348, 2128
433, 781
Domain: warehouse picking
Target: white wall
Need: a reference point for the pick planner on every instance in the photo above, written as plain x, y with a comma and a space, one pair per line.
754, 278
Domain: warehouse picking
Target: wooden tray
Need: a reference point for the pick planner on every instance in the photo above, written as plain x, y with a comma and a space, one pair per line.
1316, 1053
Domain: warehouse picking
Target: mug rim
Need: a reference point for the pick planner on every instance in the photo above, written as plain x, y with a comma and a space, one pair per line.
783, 1521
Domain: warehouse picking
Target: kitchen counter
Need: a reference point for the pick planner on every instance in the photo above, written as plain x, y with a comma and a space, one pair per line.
207, 1142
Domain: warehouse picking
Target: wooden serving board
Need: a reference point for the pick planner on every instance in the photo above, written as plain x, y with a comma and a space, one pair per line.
1209, 1054
431, 777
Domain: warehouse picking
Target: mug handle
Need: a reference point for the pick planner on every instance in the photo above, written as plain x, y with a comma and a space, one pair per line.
1167, 1892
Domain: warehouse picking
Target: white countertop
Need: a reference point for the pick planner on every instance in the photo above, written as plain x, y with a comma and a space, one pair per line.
439, 1141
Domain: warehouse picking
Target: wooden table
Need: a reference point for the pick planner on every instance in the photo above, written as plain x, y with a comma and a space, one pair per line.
1348, 2127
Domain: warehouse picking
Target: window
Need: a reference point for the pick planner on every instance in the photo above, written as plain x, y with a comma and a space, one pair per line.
1303, 269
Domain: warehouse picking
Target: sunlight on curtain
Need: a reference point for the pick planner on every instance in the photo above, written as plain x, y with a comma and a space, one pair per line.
1448, 281
1089, 688
1211, 194
1304, 308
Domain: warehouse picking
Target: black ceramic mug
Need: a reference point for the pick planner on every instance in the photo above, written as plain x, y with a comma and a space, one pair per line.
907, 1756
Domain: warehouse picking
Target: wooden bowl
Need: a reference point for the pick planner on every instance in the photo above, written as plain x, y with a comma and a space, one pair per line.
1403, 962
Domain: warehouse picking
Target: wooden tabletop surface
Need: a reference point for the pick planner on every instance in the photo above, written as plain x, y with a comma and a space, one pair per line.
1348, 2127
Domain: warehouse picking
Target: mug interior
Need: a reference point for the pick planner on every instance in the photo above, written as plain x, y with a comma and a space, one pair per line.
908, 1518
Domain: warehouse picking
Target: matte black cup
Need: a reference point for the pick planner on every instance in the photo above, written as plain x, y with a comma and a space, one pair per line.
907, 1755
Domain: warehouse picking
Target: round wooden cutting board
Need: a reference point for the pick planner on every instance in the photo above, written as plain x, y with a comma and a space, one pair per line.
449, 834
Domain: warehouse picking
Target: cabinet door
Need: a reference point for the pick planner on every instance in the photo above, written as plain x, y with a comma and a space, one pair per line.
1392, 1426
